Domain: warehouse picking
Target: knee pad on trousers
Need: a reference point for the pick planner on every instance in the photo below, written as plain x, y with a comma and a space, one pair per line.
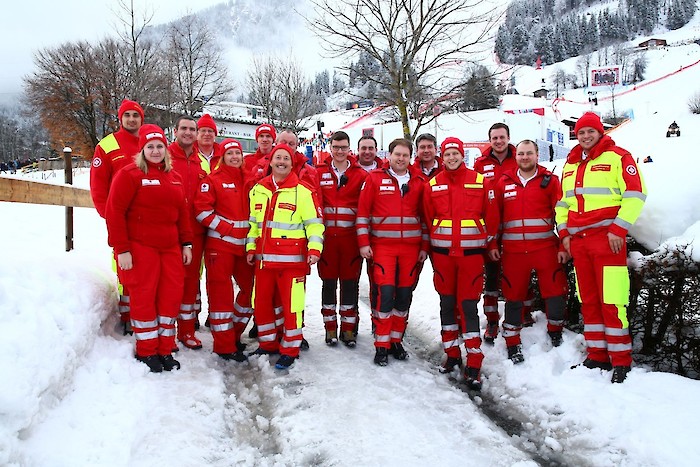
514, 313
403, 298
386, 298
554, 306
447, 309
471, 316
492, 269
328, 296
349, 292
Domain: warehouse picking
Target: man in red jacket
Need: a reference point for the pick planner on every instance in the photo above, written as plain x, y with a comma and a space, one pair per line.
192, 167
427, 160
367, 154
340, 179
455, 205
114, 151
257, 162
391, 232
498, 157
523, 206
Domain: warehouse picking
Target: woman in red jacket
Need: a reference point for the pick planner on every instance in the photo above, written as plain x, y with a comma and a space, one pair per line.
148, 225
221, 205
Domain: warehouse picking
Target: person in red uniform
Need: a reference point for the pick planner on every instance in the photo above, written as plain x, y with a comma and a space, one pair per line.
114, 151
206, 140
391, 232
256, 164
498, 157
427, 160
340, 179
192, 167
222, 206
523, 206
367, 154
285, 239
455, 205
148, 225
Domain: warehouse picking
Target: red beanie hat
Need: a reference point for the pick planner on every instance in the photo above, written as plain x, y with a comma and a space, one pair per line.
589, 119
129, 105
230, 143
284, 147
206, 121
452, 143
149, 132
265, 128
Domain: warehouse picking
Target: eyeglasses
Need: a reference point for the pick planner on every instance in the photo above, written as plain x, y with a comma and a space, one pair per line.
340, 148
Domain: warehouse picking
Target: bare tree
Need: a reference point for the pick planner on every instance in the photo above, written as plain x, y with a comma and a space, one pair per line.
200, 73
422, 46
260, 83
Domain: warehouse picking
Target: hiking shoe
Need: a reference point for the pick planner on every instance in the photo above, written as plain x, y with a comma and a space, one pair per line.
304, 344
555, 337
169, 363
450, 364
284, 362
348, 338
253, 333
237, 356
620, 374
381, 358
126, 328
260, 351
491, 332
594, 364
398, 351
472, 376
190, 341
241, 345
331, 337
515, 354
153, 362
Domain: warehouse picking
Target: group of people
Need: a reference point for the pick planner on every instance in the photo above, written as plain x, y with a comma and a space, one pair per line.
265, 218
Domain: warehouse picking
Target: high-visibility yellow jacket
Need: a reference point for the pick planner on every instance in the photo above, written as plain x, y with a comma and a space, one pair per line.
603, 191
286, 223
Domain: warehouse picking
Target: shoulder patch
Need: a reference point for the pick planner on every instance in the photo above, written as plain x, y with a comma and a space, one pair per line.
96, 162
630, 169
204, 188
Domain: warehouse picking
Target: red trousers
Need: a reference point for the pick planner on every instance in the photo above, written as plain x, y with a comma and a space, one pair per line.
291, 286
228, 318
193, 273
340, 261
155, 283
395, 271
603, 288
459, 280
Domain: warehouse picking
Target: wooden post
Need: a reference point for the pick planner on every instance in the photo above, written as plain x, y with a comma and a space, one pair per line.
68, 165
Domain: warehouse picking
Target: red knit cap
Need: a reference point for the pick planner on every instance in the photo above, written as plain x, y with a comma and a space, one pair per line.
207, 122
589, 119
230, 143
284, 147
129, 105
452, 143
149, 132
265, 128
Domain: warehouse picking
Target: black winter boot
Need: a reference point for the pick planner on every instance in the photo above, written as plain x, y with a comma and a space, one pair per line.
555, 337
515, 354
620, 374
169, 363
237, 356
472, 376
153, 362
381, 358
398, 351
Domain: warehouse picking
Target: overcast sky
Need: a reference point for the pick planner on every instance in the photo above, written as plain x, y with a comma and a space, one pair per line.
29, 25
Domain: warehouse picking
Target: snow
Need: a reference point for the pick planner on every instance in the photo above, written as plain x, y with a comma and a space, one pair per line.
71, 393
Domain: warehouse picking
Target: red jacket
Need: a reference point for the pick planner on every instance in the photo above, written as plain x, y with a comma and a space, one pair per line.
192, 169
387, 217
147, 208
456, 204
256, 164
491, 168
340, 202
113, 152
305, 172
434, 171
221, 205
523, 216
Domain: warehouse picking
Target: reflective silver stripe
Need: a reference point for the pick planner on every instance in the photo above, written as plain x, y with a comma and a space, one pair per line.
278, 310
283, 258
348, 319
619, 347
124, 308
395, 335
491, 293
250, 240
279, 322
144, 324
470, 231
328, 306
616, 332
202, 215
283, 225
561, 204
330, 210
345, 224
218, 315
292, 332
329, 318
470, 335
450, 327
363, 231
622, 223
471, 243
252, 220
290, 344
344, 211
186, 306
562, 226
215, 222
602, 223
166, 332
528, 223
362, 220
227, 239
592, 191
473, 350
400, 314
267, 337
244, 310
452, 343
346, 307
597, 344
266, 327
443, 231
315, 238
490, 308
124, 298
395, 220
593, 328
188, 316
167, 321
510, 331
143, 336
392, 234
384, 314
315, 220
440, 243
222, 327
634, 194
527, 236
382, 338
